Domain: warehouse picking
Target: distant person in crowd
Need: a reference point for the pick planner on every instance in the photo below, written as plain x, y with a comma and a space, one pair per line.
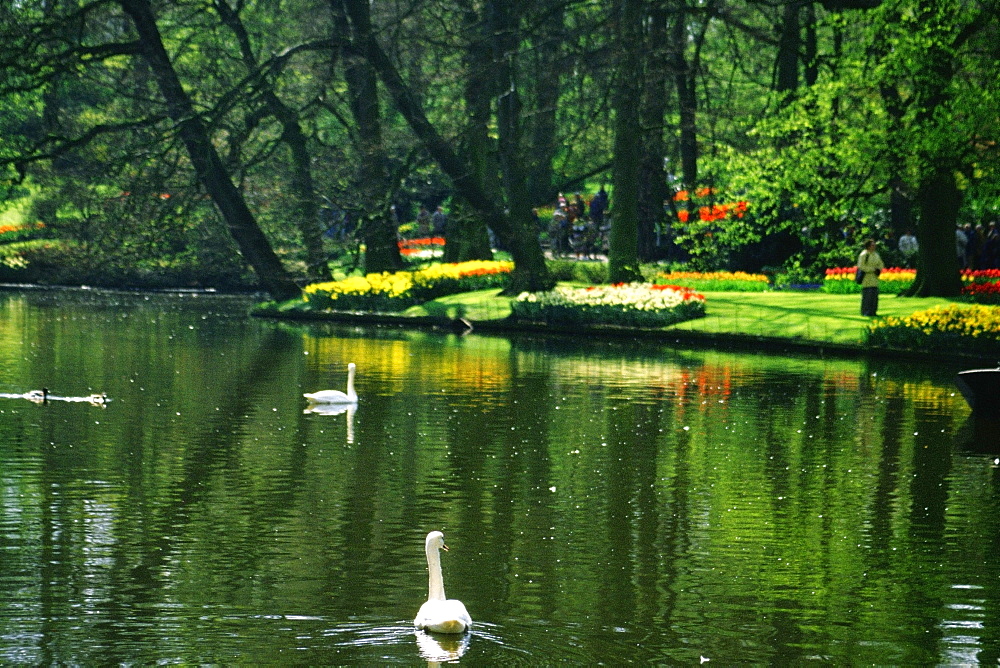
440, 221
580, 206
961, 241
991, 247
971, 246
976, 261
871, 264
423, 222
597, 206
908, 247
559, 232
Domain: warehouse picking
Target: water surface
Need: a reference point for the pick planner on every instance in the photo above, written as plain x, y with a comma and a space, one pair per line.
604, 501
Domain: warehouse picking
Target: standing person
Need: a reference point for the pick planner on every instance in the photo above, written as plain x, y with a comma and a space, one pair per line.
961, 241
871, 264
908, 247
580, 206
439, 221
424, 222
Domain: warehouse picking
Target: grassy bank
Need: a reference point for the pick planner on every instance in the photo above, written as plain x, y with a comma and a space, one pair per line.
802, 316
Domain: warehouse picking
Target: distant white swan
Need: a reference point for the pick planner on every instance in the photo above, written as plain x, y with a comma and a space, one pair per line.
440, 614
336, 396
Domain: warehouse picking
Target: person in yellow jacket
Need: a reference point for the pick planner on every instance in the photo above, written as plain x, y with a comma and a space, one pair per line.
871, 264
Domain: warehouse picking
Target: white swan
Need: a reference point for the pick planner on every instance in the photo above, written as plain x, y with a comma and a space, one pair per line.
439, 614
336, 396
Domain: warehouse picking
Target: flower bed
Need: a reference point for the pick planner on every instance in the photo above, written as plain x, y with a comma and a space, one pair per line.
840, 281
14, 233
626, 305
391, 292
715, 281
983, 293
967, 328
895, 279
422, 247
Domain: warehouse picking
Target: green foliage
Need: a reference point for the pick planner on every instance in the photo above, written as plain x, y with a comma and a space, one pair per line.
902, 88
593, 273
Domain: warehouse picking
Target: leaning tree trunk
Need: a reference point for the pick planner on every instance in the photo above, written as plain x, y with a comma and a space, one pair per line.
303, 188
468, 236
530, 272
211, 171
377, 224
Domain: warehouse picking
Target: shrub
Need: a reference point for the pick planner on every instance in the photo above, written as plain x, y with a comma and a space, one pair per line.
969, 328
627, 305
577, 271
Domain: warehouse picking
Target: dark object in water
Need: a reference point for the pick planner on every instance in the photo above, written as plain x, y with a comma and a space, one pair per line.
981, 389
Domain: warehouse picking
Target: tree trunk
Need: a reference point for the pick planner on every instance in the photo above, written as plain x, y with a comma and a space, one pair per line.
623, 258
306, 213
543, 123
939, 201
653, 190
252, 242
377, 225
469, 236
530, 272
513, 163
687, 103
786, 79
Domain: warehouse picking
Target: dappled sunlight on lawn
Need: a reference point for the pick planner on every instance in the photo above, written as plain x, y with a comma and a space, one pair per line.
833, 318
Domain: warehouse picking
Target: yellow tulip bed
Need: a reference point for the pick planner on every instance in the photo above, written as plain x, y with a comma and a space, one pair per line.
971, 328
391, 292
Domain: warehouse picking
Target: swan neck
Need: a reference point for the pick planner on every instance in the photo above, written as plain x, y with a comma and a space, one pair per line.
435, 586
350, 383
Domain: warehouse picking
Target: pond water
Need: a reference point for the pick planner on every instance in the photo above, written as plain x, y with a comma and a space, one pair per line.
604, 501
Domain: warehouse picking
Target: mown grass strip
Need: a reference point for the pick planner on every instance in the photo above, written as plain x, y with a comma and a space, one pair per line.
811, 316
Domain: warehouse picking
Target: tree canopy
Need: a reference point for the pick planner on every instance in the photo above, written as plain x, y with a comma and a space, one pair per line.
734, 132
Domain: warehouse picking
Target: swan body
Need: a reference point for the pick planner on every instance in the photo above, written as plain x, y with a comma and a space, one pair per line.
98, 399
440, 614
336, 396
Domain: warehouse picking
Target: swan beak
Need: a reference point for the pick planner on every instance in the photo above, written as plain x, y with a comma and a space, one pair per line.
444, 547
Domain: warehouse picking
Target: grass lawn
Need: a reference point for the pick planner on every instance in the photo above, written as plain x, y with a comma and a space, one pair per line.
813, 316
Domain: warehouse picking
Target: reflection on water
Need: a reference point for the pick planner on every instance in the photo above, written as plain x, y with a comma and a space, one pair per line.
604, 501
